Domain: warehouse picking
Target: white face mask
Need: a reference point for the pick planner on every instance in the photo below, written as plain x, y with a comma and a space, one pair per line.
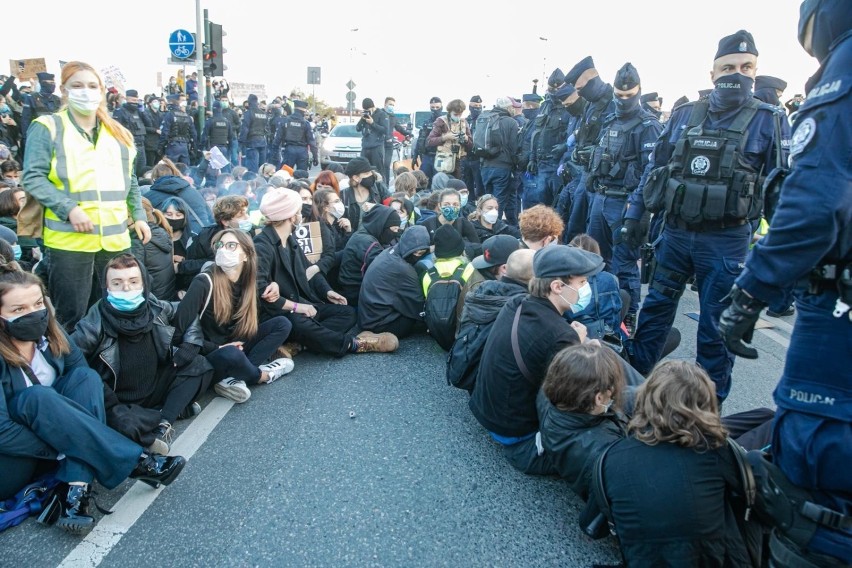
83, 100
490, 216
182, 105
227, 259
337, 210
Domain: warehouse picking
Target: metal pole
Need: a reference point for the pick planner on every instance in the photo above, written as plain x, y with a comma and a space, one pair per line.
200, 38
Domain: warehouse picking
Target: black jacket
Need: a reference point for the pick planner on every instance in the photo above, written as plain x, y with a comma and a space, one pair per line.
575, 440
483, 305
472, 246
506, 138
353, 208
200, 251
374, 135
152, 137
174, 186
158, 257
391, 288
362, 248
672, 505
285, 265
503, 400
499, 228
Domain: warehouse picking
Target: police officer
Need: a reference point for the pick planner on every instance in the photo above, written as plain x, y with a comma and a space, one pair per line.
253, 135
374, 130
297, 137
276, 120
531, 107
548, 146
652, 103
218, 132
769, 89
177, 131
40, 103
421, 149
152, 131
599, 105
470, 166
229, 113
706, 169
808, 252
130, 116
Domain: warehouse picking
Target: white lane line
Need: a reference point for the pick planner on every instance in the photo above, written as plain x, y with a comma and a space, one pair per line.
776, 337
93, 549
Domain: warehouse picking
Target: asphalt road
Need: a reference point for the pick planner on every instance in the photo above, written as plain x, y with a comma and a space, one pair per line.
370, 460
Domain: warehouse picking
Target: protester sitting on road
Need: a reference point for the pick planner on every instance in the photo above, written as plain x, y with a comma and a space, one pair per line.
361, 193
326, 180
11, 202
467, 206
491, 264
540, 226
235, 342
330, 211
168, 182
526, 336
603, 310
578, 411
230, 212
486, 222
127, 338
157, 255
450, 207
391, 297
449, 258
380, 226
175, 213
52, 410
321, 320
428, 207
404, 207
672, 486
405, 183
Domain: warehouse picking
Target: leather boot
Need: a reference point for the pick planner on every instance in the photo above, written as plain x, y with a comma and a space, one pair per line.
74, 510
156, 470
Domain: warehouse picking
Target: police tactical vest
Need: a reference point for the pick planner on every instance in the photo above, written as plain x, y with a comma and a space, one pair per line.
96, 177
218, 131
136, 127
550, 130
182, 127
709, 181
257, 128
294, 132
422, 148
611, 156
590, 129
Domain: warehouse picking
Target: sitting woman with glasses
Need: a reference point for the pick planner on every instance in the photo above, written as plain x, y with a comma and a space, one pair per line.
224, 297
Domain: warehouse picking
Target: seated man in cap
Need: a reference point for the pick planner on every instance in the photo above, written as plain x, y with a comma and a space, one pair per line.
526, 335
130, 116
769, 89
491, 264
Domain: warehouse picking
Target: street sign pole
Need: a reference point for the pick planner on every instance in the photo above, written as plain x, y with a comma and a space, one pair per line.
199, 66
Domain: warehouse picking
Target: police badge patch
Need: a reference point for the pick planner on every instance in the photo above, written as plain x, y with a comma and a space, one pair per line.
802, 136
699, 165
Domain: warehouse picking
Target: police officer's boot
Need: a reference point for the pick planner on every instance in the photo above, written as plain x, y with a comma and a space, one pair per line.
74, 510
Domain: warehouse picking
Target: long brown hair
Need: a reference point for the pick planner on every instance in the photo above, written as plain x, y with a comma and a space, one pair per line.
155, 216
115, 128
246, 315
578, 373
11, 276
678, 404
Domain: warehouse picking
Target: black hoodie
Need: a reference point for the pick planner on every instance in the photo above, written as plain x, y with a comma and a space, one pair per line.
363, 247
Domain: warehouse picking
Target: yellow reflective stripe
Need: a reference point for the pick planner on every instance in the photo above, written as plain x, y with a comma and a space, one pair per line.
106, 230
102, 196
61, 165
125, 168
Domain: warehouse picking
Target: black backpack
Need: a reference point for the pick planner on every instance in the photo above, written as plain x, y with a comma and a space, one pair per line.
465, 355
483, 140
442, 297
420, 146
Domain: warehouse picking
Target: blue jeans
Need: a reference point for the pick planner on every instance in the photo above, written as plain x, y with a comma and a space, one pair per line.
578, 218
716, 258
498, 182
605, 220
472, 176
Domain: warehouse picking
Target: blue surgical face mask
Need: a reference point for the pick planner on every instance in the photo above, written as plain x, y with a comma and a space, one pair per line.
450, 213
455, 117
246, 225
125, 301
4, 109
17, 250
584, 297
389, 109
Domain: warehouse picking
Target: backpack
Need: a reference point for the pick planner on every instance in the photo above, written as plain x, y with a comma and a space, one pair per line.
442, 297
28, 501
465, 355
421, 148
483, 140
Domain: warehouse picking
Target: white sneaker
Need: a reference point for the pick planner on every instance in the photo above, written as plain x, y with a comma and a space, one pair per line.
277, 369
233, 389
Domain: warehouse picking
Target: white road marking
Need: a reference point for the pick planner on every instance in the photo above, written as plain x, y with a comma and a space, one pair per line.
94, 548
776, 337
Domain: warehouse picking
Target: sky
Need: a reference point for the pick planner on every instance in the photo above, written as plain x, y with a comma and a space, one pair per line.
457, 50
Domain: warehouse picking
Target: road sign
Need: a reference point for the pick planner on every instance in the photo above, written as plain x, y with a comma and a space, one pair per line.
350, 85
313, 75
350, 96
181, 44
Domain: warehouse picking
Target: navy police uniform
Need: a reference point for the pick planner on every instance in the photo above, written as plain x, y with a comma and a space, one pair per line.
177, 133
706, 175
39, 104
547, 147
297, 137
253, 135
808, 252
616, 167
218, 132
130, 116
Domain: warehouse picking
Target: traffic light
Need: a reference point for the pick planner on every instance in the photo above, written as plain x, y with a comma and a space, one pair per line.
214, 65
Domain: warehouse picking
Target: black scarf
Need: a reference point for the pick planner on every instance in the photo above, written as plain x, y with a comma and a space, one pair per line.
116, 323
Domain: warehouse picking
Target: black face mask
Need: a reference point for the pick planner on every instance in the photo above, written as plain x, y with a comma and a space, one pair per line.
768, 95
657, 113
576, 108
626, 107
530, 113
731, 92
177, 224
307, 212
368, 182
593, 90
474, 112
30, 327
437, 112
47, 88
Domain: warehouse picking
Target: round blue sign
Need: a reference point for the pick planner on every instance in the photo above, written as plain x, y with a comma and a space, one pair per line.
182, 44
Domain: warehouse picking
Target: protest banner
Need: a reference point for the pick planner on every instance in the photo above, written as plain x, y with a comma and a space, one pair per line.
239, 92
310, 239
26, 69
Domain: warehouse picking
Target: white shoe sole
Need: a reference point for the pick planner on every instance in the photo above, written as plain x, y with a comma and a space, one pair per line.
237, 394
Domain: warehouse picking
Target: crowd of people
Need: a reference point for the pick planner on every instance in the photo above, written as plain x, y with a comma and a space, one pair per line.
513, 240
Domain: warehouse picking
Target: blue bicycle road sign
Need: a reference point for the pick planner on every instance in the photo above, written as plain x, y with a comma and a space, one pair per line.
181, 44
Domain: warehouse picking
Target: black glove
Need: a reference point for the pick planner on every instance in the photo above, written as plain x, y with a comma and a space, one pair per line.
736, 325
532, 168
185, 354
558, 150
632, 233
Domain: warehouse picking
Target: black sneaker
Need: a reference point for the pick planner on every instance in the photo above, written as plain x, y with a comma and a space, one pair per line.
193, 409
158, 470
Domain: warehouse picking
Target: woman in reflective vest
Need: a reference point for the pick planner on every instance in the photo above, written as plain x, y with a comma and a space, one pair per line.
80, 167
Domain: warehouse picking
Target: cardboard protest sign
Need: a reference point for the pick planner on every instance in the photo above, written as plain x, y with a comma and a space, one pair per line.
310, 239
239, 92
26, 69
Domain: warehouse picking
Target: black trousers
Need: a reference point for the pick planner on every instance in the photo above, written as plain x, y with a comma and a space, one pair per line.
401, 327
243, 363
330, 331
376, 157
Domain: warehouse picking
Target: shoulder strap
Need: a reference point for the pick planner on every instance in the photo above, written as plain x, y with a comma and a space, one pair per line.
746, 474
598, 485
699, 113
364, 260
744, 117
209, 294
516, 348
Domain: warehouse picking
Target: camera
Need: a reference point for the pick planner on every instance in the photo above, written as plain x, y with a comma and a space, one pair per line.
461, 137
366, 114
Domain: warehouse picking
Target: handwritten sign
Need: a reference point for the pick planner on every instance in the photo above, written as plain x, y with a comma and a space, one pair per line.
26, 69
310, 239
239, 92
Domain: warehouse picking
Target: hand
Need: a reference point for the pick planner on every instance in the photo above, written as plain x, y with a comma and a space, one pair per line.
532, 168
237, 344
177, 259
345, 224
81, 221
312, 271
368, 119
580, 329
207, 155
336, 298
185, 354
558, 150
271, 293
306, 310
143, 231
632, 233
315, 161
36, 252
448, 136
736, 324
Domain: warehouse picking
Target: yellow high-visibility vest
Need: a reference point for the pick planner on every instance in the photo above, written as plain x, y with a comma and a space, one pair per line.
445, 267
96, 176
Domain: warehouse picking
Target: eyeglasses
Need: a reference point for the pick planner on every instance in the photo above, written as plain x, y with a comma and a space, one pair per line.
232, 245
